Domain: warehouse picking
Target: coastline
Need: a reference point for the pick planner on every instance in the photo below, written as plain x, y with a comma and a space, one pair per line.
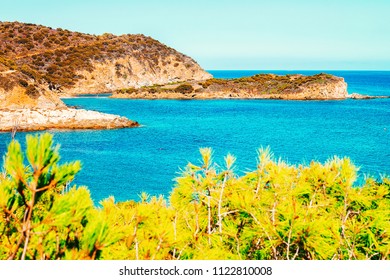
322, 87
355, 96
262, 86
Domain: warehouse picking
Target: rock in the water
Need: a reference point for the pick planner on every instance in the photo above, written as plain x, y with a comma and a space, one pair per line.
42, 119
363, 96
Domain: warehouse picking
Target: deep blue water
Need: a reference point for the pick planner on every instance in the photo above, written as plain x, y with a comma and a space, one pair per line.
126, 162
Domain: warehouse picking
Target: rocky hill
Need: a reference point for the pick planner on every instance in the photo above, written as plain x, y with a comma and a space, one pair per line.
39, 64
66, 63
267, 86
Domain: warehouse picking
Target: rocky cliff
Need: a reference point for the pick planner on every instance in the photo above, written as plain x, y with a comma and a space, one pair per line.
269, 86
130, 72
68, 63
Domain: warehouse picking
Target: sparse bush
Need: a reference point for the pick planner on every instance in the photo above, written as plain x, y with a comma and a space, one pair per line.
23, 83
184, 88
8, 62
52, 69
32, 91
127, 90
25, 69
7, 84
22, 41
153, 90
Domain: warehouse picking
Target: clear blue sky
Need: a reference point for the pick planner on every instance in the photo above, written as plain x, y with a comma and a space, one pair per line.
240, 34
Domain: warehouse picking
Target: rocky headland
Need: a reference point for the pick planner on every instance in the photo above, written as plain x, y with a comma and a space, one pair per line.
39, 65
262, 86
70, 63
26, 106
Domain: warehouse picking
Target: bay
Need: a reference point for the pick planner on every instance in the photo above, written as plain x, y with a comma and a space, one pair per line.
126, 162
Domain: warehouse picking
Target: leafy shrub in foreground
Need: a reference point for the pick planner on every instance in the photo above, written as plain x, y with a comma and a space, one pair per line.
39, 219
277, 211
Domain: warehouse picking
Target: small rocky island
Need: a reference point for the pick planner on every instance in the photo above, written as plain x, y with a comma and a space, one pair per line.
262, 86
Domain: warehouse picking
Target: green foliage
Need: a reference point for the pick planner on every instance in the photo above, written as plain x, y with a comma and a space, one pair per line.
23, 83
267, 83
25, 69
278, 211
184, 88
8, 62
127, 90
32, 91
40, 219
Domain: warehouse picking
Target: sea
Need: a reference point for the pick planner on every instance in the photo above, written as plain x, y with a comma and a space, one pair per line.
126, 162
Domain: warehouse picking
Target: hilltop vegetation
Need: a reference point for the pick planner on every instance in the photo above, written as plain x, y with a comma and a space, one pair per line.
277, 211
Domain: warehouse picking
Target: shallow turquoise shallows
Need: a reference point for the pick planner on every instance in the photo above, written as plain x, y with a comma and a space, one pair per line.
126, 162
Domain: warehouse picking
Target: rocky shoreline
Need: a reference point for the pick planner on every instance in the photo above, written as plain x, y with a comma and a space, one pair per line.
363, 96
263, 86
225, 95
69, 118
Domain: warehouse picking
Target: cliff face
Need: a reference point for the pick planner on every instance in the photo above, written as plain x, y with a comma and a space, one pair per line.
65, 62
290, 87
128, 71
18, 90
326, 87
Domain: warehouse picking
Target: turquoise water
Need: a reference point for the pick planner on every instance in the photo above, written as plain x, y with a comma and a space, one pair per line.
126, 162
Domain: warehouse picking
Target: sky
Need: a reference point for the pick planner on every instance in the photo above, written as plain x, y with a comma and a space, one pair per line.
240, 34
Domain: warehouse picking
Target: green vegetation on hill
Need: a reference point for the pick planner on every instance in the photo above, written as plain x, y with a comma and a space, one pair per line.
257, 85
267, 83
12, 76
277, 211
53, 56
